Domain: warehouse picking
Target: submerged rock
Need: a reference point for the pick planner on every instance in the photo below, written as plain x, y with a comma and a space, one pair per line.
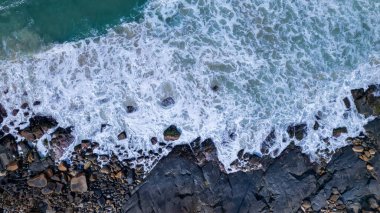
131, 109
3, 113
167, 102
61, 139
122, 136
172, 133
339, 131
298, 131
269, 141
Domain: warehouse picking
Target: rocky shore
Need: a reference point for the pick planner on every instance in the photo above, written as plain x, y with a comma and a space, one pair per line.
190, 178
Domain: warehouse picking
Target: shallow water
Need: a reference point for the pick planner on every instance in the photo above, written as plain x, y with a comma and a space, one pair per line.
27, 25
276, 63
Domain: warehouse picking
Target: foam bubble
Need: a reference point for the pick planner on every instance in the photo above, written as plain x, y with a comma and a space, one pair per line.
275, 64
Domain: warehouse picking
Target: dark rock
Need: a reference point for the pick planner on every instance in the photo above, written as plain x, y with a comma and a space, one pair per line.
167, 102
215, 88
3, 111
40, 165
24, 105
347, 173
38, 126
154, 140
357, 93
339, 131
122, 136
288, 181
49, 189
36, 103
5, 129
38, 181
347, 103
15, 111
43, 122
177, 184
131, 109
365, 101
298, 131
172, 133
61, 139
58, 188
268, 142
373, 130
316, 125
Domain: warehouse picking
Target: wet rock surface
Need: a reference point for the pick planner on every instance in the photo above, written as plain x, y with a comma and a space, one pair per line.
190, 178
290, 183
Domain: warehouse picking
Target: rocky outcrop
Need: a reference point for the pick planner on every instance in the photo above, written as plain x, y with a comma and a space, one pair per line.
38, 126
179, 184
366, 102
373, 130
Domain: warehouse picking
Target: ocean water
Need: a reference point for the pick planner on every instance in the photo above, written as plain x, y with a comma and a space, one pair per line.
29, 25
275, 63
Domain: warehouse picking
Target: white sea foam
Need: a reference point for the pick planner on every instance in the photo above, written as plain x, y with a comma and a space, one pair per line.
276, 63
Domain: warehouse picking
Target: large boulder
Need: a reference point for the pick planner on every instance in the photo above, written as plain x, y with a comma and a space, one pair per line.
172, 133
79, 184
366, 102
372, 129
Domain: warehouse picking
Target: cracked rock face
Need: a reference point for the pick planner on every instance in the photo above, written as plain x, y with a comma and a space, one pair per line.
179, 184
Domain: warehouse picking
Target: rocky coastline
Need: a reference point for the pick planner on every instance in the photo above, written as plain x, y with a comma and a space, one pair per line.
190, 178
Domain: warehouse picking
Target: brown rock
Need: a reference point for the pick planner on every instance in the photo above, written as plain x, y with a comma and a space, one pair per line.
372, 151
364, 158
122, 136
3, 173
12, 166
62, 167
370, 167
87, 165
105, 170
373, 203
30, 157
119, 175
27, 135
38, 181
49, 173
334, 198
306, 204
79, 184
357, 148
339, 131
172, 133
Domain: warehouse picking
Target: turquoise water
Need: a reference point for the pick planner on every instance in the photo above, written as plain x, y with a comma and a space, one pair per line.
276, 63
26, 25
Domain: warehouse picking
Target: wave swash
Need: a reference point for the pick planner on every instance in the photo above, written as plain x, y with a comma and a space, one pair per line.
242, 68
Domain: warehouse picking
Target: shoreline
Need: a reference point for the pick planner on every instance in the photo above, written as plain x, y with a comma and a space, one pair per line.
190, 178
